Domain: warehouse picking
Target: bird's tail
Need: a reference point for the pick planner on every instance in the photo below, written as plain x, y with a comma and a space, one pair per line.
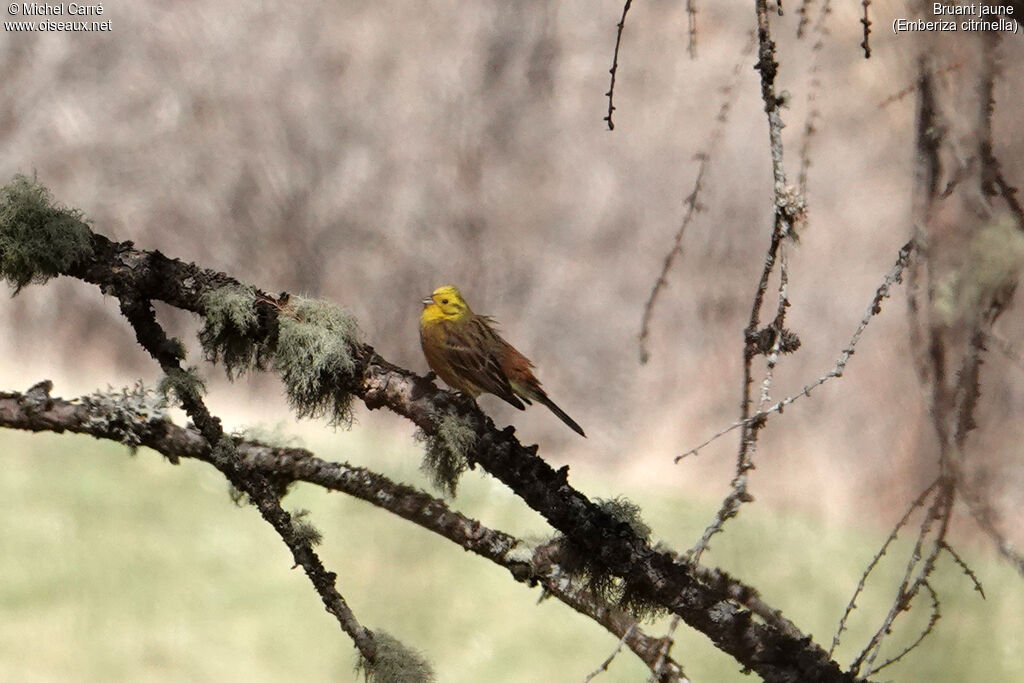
560, 413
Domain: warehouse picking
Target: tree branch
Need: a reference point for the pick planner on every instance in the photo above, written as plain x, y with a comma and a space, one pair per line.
132, 420
654, 574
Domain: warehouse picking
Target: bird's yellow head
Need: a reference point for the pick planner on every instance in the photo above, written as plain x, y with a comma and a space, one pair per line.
446, 303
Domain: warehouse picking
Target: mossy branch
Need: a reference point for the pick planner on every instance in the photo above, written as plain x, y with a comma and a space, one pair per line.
138, 277
39, 239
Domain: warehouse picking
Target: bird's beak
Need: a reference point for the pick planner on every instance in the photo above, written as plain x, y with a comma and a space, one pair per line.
428, 301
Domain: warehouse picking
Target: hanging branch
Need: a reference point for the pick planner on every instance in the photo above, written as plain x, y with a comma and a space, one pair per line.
691, 28
692, 201
620, 27
788, 210
820, 30
866, 23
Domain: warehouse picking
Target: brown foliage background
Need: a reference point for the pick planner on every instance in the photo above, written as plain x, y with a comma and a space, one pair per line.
368, 152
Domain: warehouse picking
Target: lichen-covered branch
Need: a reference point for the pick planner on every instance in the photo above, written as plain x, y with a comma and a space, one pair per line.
137, 418
137, 277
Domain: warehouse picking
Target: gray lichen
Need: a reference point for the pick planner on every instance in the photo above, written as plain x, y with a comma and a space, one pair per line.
315, 358
38, 239
395, 663
446, 452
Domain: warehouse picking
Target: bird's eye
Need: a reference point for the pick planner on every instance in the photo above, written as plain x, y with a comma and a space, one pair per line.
444, 301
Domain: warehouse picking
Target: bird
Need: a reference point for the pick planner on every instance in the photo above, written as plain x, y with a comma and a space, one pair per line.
464, 350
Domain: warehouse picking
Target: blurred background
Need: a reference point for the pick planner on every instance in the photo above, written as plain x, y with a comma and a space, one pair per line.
369, 152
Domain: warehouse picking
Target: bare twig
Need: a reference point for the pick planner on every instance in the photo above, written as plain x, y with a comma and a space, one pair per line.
852, 605
772, 357
988, 520
620, 27
914, 578
965, 567
925, 632
782, 226
892, 277
666, 645
803, 13
691, 28
607, 662
913, 87
820, 30
692, 201
866, 22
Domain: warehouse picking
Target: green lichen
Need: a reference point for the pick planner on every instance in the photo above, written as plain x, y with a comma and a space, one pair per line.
185, 384
395, 663
230, 327
588, 571
303, 529
38, 238
992, 267
626, 512
315, 358
446, 452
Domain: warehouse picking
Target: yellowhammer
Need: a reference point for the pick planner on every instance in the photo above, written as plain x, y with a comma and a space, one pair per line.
465, 351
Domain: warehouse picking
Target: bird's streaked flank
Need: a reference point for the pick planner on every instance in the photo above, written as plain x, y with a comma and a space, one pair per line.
465, 351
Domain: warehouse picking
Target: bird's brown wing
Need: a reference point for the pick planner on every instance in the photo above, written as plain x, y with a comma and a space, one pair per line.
469, 349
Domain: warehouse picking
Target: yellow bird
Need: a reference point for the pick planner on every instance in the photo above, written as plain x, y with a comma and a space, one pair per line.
465, 351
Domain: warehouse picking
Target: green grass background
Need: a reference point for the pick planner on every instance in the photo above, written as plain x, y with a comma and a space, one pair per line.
128, 568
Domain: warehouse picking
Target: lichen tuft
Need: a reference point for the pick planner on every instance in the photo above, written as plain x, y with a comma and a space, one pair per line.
185, 384
446, 452
230, 328
315, 358
38, 238
395, 663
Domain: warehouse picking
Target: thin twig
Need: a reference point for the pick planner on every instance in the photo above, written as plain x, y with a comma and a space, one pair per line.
914, 578
866, 22
692, 201
691, 28
913, 87
852, 605
820, 30
606, 663
782, 226
772, 357
882, 293
966, 568
987, 519
666, 645
925, 632
615, 64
